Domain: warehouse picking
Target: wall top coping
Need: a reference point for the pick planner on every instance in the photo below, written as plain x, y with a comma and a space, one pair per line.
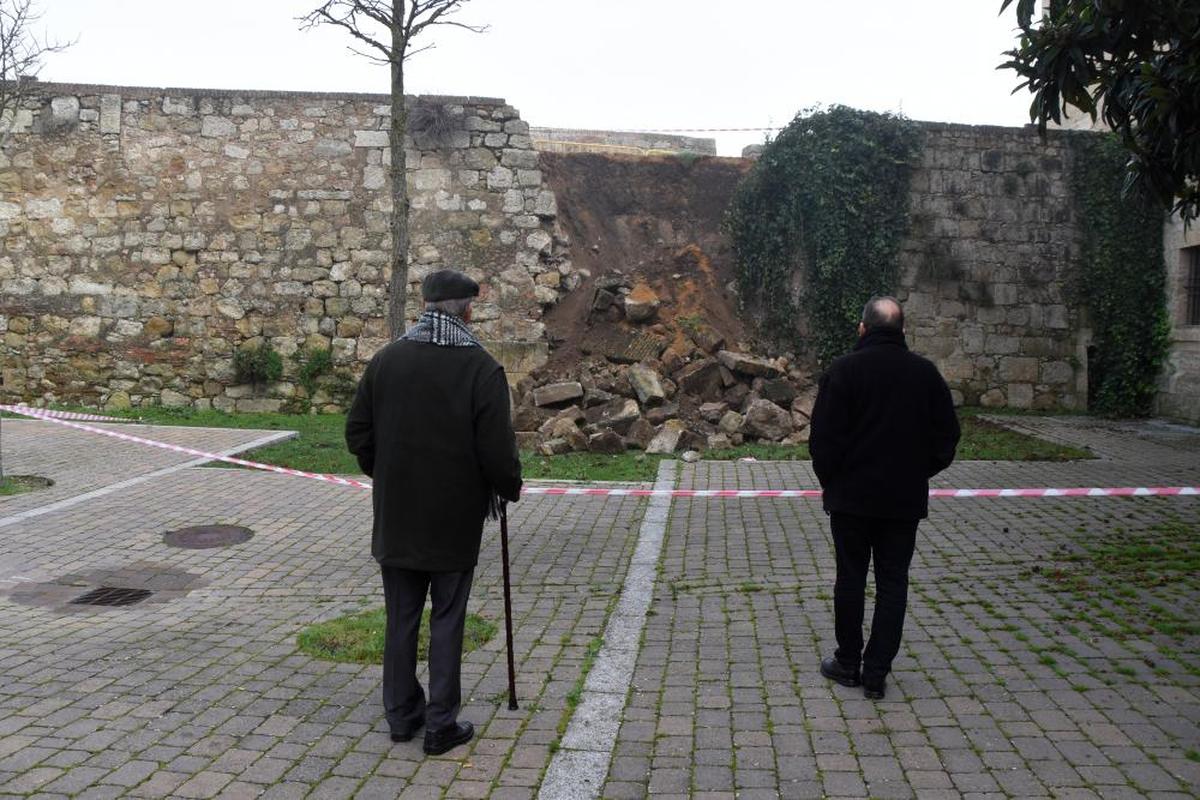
151, 92
962, 127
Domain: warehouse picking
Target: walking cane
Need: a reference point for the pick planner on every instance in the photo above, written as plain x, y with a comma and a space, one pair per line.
508, 625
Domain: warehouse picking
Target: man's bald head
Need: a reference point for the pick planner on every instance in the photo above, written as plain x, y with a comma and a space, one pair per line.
883, 313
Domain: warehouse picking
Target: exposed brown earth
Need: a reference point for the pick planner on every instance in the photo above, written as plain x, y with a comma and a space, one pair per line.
648, 351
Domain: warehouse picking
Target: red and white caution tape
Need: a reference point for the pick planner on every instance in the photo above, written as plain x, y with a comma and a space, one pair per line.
175, 448
587, 491
598, 491
46, 413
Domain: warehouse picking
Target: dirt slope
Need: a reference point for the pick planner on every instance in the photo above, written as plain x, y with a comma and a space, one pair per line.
654, 223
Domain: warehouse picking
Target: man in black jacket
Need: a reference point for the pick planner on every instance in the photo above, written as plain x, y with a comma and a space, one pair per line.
430, 424
882, 426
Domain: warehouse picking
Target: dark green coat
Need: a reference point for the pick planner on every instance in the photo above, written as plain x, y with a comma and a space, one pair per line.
431, 426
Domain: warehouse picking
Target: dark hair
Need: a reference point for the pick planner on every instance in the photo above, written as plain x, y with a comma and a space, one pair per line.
883, 313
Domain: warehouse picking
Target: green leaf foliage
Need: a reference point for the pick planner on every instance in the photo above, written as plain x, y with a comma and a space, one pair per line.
312, 363
1133, 64
258, 365
1122, 279
827, 202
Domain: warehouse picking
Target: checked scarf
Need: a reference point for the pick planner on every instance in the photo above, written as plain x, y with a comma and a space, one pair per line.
442, 329
446, 330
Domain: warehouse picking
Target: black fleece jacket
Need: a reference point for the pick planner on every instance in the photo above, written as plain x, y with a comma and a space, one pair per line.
882, 426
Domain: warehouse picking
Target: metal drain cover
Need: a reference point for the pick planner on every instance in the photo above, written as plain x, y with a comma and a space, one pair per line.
203, 537
111, 596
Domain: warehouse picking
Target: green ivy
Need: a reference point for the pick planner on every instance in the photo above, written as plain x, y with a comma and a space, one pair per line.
828, 198
1122, 279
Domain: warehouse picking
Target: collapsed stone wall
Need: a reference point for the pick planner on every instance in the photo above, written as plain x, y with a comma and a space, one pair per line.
146, 234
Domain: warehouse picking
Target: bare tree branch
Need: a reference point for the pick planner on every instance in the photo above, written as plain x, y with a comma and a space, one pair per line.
21, 54
403, 20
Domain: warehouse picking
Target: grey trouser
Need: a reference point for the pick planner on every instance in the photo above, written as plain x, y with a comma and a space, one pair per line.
403, 698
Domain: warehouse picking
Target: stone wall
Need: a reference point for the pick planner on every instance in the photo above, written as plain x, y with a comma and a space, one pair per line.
145, 234
987, 269
1179, 387
576, 140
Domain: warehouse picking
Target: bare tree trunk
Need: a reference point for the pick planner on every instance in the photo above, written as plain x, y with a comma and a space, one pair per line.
398, 288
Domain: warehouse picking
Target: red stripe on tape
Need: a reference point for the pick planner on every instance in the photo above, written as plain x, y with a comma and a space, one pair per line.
597, 491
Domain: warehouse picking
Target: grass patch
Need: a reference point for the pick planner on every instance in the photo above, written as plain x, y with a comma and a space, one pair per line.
19, 484
627, 467
984, 440
320, 446
359, 638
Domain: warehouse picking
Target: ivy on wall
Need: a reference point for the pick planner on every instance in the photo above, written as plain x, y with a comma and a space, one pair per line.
827, 198
1122, 279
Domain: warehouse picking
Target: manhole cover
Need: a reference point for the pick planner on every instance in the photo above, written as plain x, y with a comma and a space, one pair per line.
203, 537
112, 596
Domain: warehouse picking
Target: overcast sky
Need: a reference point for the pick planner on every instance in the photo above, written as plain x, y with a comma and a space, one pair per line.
612, 64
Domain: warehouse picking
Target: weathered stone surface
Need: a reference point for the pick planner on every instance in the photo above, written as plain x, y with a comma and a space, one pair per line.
667, 438
218, 213
778, 391
640, 433
765, 420
706, 338
719, 441
660, 414
803, 404
641, 307
748, 365
528, 418
606, 442
555, 393
555, 447
701, 379
712, 412
731, 423
118, 401
693, 441
617, 414
647, 384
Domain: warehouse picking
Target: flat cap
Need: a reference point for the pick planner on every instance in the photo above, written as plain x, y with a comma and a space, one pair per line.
448, 284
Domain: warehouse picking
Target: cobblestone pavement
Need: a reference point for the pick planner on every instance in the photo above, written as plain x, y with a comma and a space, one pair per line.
1018, 676
199, 691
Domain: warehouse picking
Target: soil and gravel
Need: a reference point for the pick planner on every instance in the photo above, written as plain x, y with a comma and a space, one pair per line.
648, 351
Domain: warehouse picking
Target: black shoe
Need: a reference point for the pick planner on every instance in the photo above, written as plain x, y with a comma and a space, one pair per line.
836, 671
438, 742
406, 733
874, 689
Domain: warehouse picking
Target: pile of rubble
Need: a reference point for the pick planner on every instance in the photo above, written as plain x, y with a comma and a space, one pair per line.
663, 396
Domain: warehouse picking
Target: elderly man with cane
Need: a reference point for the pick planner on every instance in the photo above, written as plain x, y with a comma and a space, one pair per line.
882, 426
430, 424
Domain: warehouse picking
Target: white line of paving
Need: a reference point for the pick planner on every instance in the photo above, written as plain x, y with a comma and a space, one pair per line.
580, 766
263, 441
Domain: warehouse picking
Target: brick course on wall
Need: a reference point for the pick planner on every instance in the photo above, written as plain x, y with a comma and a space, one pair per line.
145, 234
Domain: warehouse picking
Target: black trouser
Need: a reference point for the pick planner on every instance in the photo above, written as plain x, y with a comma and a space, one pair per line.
892, 542
403, 698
